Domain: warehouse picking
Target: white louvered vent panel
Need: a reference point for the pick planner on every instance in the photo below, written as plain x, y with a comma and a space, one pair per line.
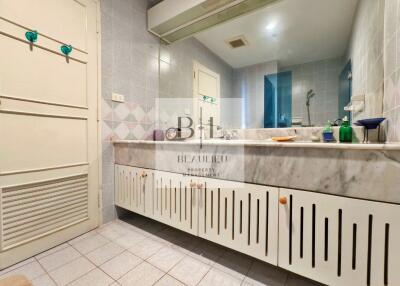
339, 241
34, 210
175, 201
243, 217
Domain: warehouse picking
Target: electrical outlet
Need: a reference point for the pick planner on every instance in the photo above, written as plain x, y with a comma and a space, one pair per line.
118, 97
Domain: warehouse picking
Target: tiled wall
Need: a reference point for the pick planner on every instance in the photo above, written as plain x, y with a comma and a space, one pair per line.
366, 53
130, 68
135, 65
323, 78
391, 100
176, 78
248, 84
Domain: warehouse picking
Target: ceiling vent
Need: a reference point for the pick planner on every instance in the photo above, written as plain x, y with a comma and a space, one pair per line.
237, 42
173, 20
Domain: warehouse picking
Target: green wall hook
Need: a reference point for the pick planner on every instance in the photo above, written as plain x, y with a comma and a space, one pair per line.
31, 36
66, 49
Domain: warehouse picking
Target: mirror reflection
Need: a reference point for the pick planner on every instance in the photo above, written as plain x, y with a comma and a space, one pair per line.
286, 64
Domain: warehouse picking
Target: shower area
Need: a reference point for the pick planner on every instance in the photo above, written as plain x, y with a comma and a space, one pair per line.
278, 100
306, 94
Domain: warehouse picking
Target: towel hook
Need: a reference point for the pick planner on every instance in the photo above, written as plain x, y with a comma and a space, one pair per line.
32, 37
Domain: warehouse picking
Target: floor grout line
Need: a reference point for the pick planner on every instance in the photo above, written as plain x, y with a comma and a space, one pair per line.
113, 280
247, 273
204, 275
47, 273
187, 246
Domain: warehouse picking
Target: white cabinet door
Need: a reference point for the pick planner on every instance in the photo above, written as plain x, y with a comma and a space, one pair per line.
176, 201
241, 216
123, 188
166, 197
134, 189
49, 186
339, 241
142, 191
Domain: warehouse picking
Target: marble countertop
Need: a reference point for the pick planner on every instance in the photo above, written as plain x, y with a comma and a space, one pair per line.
270, 143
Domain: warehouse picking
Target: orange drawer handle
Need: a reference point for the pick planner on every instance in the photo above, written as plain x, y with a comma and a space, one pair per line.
283, 200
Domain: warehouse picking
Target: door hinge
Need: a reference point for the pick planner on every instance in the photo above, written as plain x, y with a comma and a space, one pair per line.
194, 74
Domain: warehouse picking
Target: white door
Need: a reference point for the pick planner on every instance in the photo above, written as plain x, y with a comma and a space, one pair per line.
206, 93
48, 125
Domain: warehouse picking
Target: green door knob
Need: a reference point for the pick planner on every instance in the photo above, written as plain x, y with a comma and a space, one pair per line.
31, 36
66, 49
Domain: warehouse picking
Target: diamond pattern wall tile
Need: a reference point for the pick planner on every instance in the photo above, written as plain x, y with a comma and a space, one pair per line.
106, 109
131, 125
121, 111
131, 106
139, 113
121, 131
107, 130
139, 132
130, 118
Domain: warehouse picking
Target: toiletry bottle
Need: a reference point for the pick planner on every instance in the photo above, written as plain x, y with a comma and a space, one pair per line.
345, 131
327, 133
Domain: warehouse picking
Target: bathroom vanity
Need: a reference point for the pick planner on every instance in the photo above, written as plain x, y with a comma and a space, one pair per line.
319, 210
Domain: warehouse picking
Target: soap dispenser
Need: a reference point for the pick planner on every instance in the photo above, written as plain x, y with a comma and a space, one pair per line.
345, 131
327, 133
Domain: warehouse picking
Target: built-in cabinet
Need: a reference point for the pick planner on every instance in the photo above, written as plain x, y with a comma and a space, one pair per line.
331, 239
338, 240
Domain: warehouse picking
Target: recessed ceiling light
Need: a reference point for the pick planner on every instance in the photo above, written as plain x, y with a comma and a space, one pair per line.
271, 26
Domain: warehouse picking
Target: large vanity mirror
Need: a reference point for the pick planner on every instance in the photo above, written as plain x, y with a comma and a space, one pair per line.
289, 63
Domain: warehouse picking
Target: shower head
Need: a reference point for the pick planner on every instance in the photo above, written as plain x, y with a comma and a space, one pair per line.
310, 94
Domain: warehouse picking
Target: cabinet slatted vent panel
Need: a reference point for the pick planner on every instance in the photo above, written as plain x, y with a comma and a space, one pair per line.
340, 241
34, 210
242, 217
175, 201
132, 189
163, 196
126, 189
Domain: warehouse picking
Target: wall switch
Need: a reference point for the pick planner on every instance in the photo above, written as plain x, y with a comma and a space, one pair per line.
117, 97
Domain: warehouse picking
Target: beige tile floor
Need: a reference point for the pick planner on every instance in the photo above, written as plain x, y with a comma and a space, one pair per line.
138, 252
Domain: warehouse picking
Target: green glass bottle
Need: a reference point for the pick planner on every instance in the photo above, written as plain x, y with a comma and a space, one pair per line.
345, 131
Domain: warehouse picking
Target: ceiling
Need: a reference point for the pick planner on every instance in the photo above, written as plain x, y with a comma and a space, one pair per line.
289, 31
